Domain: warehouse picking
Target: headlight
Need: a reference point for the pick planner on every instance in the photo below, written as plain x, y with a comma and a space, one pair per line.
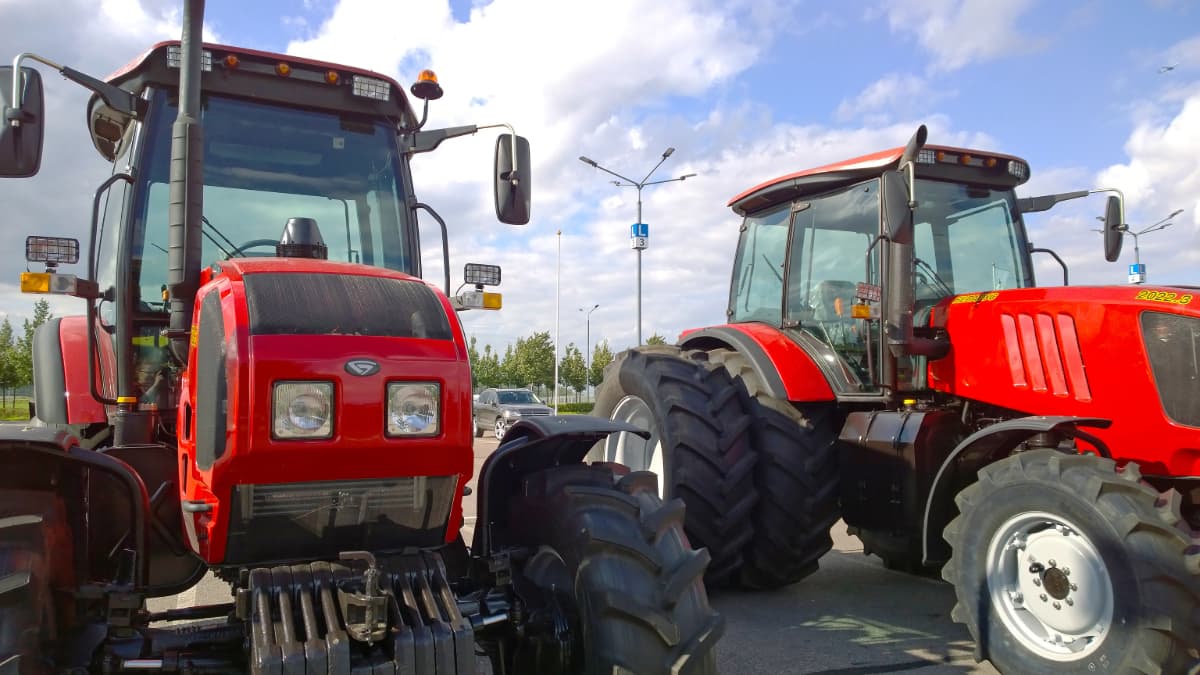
303, 410
413, 409
511, 413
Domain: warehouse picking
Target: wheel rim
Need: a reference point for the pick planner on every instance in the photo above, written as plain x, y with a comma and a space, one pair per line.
1050, 586
499, 430
474, 425
630, 449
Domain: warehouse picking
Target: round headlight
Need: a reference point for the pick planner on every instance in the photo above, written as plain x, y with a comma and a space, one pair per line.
308, 412
412, 409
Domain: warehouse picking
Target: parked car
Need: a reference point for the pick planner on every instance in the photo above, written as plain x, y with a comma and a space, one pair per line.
498, 409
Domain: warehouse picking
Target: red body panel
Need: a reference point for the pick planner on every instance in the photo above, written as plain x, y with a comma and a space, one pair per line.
359, 448
82, 408
802, 379
1068, 351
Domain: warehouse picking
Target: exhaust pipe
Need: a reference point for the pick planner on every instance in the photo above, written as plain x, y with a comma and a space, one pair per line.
186, 192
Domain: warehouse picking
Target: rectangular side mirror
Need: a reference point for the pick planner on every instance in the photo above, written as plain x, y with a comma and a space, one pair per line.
21, 146
513, 177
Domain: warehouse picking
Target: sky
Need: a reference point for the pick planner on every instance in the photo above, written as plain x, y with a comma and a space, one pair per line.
1093, 93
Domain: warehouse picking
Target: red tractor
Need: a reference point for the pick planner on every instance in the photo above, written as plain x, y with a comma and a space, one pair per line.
888, 360
264, 388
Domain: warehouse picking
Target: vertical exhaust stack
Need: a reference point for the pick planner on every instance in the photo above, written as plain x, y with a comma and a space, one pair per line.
186, 196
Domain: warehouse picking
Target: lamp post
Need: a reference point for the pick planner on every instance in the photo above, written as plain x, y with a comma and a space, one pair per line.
587, 351
557, 294
1137, 253
629, 182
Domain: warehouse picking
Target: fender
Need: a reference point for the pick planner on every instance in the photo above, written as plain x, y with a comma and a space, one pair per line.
786, 370
984, 447
531, 445
61, 391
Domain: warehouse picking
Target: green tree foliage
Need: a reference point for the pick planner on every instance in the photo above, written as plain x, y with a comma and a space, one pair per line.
601, 357
572, 371
656, 339
473, 356
534, 357
9, 357
487, 369
508, 369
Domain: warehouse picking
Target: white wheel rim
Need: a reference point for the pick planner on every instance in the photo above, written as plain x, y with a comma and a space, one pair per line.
499, 431
630, 449
1050, 586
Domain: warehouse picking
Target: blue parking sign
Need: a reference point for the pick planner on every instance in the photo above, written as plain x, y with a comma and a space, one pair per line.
639, 230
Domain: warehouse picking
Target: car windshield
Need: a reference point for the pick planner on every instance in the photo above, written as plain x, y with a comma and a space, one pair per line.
518, 397
265, 164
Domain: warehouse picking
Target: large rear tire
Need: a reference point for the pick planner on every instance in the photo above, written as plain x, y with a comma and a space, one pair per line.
699, 445
32, 527
1066, 564
613, 552
796, 478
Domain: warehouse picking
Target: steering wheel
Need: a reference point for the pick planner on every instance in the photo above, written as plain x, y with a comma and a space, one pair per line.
241, 249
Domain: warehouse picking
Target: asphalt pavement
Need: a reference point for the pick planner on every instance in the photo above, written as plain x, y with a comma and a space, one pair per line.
852, 617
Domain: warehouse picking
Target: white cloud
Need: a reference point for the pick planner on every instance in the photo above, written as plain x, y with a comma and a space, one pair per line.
894, 96
959, 32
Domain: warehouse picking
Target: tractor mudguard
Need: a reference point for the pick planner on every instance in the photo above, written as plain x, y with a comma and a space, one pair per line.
531, 445
42, 458
987, 445
784, 367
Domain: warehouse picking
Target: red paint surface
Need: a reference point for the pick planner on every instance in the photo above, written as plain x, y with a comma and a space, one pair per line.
1069, 351
82, 408
359, 448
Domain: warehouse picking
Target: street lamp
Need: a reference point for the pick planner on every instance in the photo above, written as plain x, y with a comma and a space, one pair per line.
629, 182
1137, 254
587, 351
557, 295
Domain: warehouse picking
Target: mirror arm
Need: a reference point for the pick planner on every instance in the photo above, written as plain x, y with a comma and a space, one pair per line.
512, 135
445, 240
424, 141
118, 99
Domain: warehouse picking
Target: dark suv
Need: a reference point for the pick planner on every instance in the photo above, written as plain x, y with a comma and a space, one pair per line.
500, 408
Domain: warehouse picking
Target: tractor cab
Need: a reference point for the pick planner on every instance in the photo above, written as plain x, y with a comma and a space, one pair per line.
818, 256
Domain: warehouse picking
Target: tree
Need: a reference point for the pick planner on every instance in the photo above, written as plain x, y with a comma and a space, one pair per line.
601, 357
508, 368
473, 357
572, 371
487, 369
24, 347
535, 359
9, 372
656, 339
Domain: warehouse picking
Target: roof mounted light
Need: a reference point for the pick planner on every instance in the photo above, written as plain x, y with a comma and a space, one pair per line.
370, 87
426, 87
1018, 169
926, 157
175, 58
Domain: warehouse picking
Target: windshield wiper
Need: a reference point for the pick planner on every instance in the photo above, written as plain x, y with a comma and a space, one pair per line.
941, 284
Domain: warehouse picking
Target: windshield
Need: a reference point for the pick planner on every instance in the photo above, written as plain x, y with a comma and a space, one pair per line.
966, 240
518, 397
264, 164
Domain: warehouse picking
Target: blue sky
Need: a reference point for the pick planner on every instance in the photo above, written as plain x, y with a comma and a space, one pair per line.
744, 90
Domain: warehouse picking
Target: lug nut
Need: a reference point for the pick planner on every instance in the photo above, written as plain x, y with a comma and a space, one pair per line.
1070, 602
1066, 570
1057, 606
1037, 582
1074, 587
1043, 597
1052, 563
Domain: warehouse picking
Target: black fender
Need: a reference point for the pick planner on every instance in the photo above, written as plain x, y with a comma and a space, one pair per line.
984, 447
531, 445
720, 336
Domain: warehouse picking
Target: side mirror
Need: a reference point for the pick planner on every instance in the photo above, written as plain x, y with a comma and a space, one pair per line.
897, 216
514, 187
1114, 228
21, 145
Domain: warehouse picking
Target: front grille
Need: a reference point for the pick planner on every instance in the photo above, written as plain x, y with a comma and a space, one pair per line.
533, 411
319, 519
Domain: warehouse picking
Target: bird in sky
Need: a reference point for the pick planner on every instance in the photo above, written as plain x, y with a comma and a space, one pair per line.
1167, 69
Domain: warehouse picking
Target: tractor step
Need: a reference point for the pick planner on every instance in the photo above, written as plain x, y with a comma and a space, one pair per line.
336, 618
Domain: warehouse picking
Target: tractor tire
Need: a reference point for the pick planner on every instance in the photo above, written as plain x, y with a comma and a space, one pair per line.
614, 553
796, 479
1067, 564
32, 526
699, 445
